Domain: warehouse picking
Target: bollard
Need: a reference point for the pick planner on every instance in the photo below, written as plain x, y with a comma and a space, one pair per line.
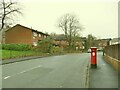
93, 57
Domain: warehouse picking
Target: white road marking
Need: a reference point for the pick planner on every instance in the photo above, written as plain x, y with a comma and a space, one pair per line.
22, 72
6, 77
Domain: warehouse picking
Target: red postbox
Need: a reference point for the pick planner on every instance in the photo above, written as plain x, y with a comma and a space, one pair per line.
93, 57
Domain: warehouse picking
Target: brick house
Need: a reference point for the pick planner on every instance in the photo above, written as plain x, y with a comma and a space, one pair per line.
60, 40
102, 43
23, 35
115, 41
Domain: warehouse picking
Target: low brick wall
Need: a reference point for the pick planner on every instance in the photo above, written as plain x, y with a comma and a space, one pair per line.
113, 51
114, 62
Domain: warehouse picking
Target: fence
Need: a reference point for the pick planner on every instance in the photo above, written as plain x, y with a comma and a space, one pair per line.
113, 51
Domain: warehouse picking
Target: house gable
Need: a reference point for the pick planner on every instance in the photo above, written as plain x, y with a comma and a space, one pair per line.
18, 34
22, 34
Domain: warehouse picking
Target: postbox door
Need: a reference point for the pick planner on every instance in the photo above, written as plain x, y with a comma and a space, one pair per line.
93, 57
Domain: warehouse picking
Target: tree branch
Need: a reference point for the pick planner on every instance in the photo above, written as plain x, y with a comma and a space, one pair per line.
8, 9
12, 11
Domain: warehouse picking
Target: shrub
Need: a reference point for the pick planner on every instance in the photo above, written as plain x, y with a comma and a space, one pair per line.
0, 46
16, 47
56, 49
45, 45
69, 49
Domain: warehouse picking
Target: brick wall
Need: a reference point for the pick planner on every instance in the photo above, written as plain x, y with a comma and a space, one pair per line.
112, 55
18, 35
113, 51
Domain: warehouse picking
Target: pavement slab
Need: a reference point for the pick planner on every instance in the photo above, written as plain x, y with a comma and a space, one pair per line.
105, 76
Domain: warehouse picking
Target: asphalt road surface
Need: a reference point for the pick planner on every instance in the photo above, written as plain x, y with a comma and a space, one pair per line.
65, 71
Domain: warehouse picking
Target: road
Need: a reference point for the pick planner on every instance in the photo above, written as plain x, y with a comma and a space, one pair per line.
64, 71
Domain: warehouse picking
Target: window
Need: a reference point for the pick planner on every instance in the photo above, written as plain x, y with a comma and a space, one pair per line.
39, 35
33, 37
34, 34
44, 36
35, 43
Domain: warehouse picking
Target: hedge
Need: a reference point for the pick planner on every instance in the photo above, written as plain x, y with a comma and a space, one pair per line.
56, 49
16, 47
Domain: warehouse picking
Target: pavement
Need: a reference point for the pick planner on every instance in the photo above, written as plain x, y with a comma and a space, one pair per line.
105, 76
7, 61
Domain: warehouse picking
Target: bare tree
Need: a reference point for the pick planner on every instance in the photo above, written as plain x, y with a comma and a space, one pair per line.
71, 27
8, 8
91, 41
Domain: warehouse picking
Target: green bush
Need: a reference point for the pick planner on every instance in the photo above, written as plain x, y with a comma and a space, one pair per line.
45, 45
69, 49
0, 46
16, 47
56, 49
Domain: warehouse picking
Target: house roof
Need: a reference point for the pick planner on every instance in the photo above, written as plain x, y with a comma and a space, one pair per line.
115, 40
63, 37
27, 28
59, 37
103, 39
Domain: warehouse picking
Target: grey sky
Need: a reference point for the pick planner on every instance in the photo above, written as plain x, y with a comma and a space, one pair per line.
99, 17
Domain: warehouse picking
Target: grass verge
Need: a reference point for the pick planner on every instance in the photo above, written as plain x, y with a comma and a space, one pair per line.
8, 54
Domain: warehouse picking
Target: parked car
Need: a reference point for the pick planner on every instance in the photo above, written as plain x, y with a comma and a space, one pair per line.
99, 49
89, 50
